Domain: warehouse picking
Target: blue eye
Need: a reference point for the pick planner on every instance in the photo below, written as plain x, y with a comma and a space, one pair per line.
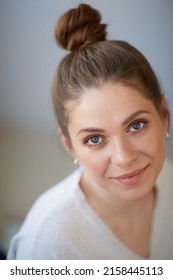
95, 140
137, 126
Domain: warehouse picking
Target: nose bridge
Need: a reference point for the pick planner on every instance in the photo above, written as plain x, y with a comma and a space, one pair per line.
123, 151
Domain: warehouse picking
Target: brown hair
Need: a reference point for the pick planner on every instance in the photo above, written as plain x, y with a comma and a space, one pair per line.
93, 60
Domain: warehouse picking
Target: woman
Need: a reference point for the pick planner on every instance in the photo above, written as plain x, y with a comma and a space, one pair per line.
114, 120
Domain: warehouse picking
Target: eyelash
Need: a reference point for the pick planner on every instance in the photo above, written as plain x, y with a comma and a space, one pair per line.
103, 139
86, 140
143, 122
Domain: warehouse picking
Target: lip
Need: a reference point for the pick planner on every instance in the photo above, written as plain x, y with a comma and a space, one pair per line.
131, 178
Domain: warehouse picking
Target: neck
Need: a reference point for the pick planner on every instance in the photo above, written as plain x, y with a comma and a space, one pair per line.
110, 205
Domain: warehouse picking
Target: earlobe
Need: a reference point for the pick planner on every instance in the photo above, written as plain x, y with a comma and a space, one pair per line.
65, 142
165, 113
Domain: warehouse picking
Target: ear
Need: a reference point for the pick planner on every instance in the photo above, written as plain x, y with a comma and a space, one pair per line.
65, 142
165, 113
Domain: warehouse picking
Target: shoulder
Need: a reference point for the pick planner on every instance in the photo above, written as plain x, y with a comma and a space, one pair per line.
55, 197
163, 219
49, 222
165, 178
165, 194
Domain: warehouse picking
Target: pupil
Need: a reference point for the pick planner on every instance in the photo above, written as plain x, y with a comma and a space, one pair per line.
136, 126
95, 139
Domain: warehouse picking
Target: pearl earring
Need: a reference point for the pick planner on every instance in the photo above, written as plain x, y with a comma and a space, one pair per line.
167, 135
75, 161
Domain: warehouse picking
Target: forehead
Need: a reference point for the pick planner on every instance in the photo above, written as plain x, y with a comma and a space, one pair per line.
109, 102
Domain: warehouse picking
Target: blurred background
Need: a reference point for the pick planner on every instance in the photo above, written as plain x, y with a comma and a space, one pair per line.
31, 156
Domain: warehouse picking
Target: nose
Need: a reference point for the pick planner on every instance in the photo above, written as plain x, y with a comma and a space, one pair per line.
123, 152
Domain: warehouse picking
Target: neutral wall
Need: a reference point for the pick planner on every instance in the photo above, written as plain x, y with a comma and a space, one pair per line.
31, 156
30, 163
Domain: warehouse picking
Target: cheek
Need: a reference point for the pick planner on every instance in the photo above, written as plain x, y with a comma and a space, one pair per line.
154, 145
95, 161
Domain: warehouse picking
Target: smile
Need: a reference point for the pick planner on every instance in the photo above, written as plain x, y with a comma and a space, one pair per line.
131, 178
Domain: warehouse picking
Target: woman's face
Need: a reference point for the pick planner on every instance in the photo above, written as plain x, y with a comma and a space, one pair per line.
119, 138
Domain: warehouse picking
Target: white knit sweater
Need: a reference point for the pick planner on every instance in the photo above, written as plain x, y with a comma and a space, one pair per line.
61, 225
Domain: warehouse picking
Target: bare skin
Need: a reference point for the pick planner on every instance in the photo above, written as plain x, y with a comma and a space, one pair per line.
131, 223
119, 138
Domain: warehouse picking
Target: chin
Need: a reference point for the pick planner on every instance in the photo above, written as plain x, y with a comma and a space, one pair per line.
138, 193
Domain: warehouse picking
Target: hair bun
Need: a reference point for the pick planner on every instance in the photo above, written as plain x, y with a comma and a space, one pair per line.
79, 27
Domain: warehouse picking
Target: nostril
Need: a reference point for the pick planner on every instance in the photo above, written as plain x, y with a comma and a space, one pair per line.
123, 154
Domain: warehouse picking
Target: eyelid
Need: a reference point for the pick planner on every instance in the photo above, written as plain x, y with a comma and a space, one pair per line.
86, 139
144, 121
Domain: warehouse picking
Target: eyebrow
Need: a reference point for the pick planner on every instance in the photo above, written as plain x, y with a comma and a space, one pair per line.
134, 115
91, 130
125, 122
